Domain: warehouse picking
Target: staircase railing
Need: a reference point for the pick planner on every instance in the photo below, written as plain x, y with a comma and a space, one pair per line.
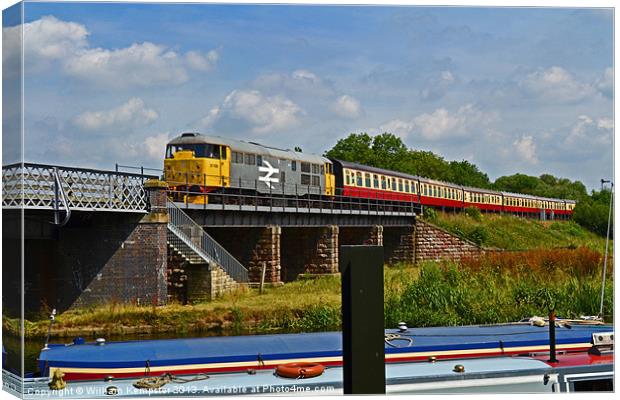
202, 244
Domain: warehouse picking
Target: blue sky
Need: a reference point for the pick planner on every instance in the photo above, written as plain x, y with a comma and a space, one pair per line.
509, 89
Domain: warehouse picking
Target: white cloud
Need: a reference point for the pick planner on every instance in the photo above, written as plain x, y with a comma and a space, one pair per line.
441, 123
586, 131
606, 84
45, 40
200, 62
261, 113
130, 115
347, 107
438, 86
298, 82
49, 40
155, 146
526, 148
557, 85
137, 65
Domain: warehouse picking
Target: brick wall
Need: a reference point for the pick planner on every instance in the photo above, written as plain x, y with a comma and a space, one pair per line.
433, 243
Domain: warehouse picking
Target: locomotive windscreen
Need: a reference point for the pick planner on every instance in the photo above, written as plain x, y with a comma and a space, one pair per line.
200, 150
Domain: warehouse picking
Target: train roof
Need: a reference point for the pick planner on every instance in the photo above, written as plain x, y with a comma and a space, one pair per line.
532, 197
367, 168
248, 147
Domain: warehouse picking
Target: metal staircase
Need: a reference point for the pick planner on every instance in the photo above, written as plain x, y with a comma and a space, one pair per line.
188, 239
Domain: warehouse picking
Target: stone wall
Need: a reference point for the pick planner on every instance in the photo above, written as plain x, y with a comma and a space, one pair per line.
206, 282
309, 250
253, 247
399, 244
360, 235
433, 243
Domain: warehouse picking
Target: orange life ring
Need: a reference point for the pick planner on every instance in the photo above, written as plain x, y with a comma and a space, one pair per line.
300, 370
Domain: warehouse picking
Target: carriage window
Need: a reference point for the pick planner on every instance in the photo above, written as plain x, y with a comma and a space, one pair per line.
394, 184
358, 180
250, 159
407, 187
347, 177
400, 185
316, 180
294, 165
367, 179
305, 167
305, 179
383, 183
375, 179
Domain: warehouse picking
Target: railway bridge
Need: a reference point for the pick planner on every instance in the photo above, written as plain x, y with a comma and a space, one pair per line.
86, 236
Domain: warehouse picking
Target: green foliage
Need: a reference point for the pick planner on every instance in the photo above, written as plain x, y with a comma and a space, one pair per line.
593, 212
447, 294
474, 213
478, 235
514, 233
430, 214
545, 186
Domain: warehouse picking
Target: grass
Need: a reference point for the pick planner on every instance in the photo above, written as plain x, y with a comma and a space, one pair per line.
495, 288
514, 233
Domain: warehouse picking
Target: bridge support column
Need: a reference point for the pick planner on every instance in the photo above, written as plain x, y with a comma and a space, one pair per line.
399, 244
309, 250
266, 252
361, 235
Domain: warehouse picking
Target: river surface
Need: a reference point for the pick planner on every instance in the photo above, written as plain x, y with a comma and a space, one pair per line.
32, 347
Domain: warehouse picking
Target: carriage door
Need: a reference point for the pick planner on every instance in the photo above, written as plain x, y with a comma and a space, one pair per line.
225, 156
330, 179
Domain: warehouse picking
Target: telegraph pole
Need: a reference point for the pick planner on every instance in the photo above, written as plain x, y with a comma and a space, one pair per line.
611, 201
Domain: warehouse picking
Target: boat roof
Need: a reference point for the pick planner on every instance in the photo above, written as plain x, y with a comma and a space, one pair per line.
303, 345
247, 147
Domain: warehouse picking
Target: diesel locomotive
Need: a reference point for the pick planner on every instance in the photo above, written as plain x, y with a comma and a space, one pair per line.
197, 165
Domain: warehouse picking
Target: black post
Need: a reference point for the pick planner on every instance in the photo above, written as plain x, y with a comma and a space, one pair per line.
363, 345
552, 357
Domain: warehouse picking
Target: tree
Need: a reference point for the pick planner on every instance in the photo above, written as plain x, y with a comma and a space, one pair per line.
517, 183
354, 148
592, 212
467, 174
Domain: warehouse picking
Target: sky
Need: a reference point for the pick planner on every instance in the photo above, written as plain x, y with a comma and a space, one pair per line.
511, 90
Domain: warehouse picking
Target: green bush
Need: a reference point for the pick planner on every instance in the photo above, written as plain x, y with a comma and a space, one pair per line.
478, 235
430, 214
474, 213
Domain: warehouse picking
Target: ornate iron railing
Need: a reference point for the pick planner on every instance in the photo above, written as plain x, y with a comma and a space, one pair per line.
39, 186
199, 241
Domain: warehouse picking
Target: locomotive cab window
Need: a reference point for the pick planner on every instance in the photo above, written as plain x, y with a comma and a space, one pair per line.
199, 150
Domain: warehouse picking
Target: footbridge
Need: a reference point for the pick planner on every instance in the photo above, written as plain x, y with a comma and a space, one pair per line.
90, 235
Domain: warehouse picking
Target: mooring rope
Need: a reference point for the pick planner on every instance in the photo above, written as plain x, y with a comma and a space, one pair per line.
155, 382
389, 337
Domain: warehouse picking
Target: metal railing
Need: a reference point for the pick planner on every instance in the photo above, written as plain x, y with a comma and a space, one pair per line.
245, 194
37, 186
199, 241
